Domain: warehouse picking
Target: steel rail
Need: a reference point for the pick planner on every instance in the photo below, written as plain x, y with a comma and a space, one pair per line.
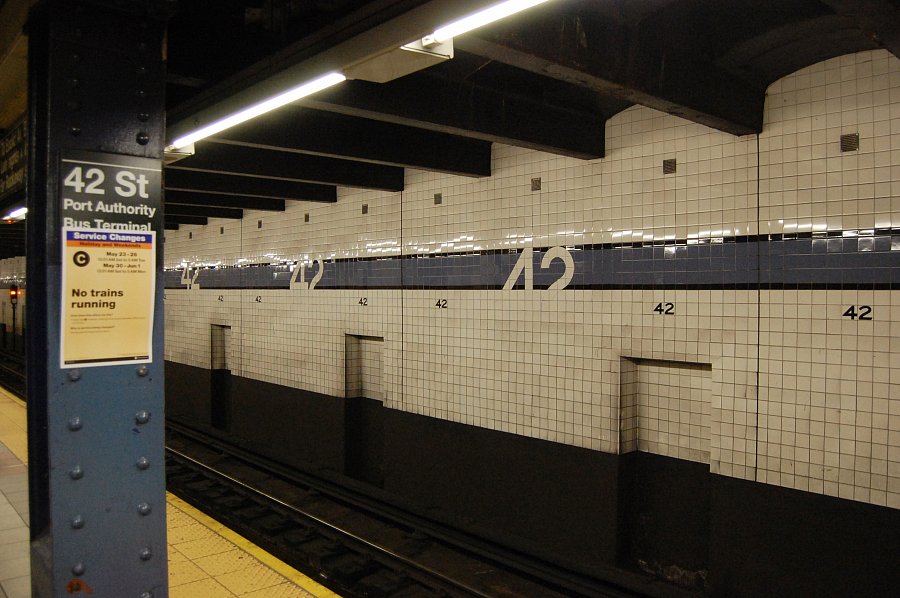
332, 527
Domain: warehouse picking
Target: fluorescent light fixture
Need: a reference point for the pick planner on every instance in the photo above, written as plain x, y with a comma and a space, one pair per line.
478, 19
17, 214
282, 99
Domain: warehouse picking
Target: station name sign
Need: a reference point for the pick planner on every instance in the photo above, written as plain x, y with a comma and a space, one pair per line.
110, 215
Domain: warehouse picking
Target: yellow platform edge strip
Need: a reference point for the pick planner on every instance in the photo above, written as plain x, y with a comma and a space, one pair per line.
253, 550
19, 449
12, 396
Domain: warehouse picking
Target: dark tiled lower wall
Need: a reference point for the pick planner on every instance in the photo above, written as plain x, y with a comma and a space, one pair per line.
297, 428
665, 506
587, 510
548, 498
773, 541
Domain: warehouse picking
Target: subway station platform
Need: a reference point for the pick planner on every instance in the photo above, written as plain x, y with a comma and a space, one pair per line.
206, 559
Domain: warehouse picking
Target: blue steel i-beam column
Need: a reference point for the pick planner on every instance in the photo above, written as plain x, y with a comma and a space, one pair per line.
95, 320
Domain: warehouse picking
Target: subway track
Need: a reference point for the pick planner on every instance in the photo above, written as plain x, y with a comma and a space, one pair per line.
12, 372
346, 542
337, 558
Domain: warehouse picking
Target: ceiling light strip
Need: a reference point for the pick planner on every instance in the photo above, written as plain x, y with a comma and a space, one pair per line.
479, 19
440, 35
282, 99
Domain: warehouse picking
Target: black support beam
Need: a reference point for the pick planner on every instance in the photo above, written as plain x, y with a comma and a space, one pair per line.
177, 210
462, 107
12, 239
879, 20
212, 200
171, 225
627, 63
333, 135
200, 220
231, 159
183, 179
96, 87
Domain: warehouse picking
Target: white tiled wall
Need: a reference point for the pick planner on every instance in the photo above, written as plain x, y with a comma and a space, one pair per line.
798, 395
665, 408
365, 367
220, 347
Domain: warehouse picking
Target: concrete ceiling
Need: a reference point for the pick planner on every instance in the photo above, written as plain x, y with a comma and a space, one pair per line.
13, 62
547, 79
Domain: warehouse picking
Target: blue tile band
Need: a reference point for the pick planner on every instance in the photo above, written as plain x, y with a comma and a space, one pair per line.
771, 262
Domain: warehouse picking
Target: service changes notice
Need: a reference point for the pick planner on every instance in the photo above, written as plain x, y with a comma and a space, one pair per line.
108, 213
108, 287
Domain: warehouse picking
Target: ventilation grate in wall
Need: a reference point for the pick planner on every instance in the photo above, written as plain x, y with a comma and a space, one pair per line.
365, 208
536, 184
670, 166
850, 142
438, 199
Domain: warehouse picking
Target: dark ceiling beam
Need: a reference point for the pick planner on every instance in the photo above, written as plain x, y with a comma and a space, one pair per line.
628, 64
879, 20
466, 108
185, 81
211, 200
186, 220
249, 186
312, 169
12, 233
376, 27
176, 210
333, 135
171, 225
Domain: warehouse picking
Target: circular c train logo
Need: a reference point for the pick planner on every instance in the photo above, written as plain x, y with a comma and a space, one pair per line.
81, 259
